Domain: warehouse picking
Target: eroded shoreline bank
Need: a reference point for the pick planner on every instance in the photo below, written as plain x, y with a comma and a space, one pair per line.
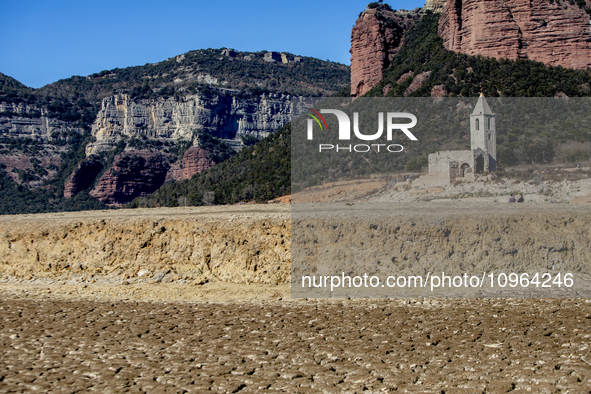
183, 247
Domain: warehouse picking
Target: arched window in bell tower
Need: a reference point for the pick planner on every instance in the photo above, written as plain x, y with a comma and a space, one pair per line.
489, 120
477, 124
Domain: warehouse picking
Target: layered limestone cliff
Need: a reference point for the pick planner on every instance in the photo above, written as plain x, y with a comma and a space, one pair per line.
552, 32
31, 143
223, 116
139, 171
375, 39
22, 121
435, 5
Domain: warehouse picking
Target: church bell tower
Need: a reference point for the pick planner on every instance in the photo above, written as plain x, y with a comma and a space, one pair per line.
483, 136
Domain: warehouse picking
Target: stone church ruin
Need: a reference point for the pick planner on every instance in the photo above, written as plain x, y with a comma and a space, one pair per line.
446, 167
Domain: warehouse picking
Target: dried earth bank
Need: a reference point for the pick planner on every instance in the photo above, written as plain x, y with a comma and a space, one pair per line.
452, 237
233, 244
253, 244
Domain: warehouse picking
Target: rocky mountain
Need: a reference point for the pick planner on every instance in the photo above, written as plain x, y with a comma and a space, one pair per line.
376, 37
227, 116
84, 142
255, 72
223, 114
119, 134
556, 33
552, 32
416, 64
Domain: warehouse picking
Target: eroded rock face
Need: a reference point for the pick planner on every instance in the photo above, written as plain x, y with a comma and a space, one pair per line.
417, 82
134, 174
438, 91
29, 121
435, 5
195, 160
23, 126
83, 176
375, 39
555, 33
224, 117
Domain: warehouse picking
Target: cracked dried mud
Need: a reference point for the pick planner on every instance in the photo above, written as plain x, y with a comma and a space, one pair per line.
60, 343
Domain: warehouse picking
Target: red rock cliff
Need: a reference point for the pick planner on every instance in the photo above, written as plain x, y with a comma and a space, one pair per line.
375, 39
195, 160
83, 176
555, 33
134, 174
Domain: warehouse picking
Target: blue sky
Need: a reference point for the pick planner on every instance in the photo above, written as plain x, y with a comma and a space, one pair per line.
43, 41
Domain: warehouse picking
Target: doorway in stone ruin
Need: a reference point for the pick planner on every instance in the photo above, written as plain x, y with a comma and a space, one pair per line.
480, 164
464, 169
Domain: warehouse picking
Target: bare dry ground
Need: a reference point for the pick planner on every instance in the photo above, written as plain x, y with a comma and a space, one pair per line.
61, 334
538, 184
60, 343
